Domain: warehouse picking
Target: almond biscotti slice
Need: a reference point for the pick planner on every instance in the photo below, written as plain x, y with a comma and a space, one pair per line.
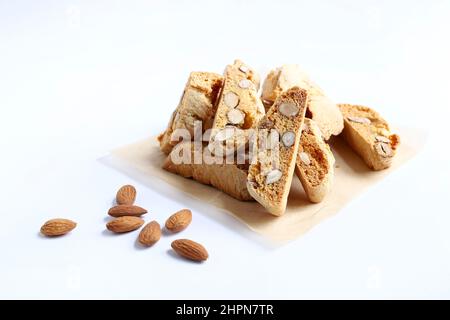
315, 163
196, 104
320, 108
239, 105
270, 173
369, 135
229, 178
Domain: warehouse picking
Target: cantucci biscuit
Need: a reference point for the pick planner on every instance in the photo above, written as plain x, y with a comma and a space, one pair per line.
239, 105
273, 163
229, 178
320, 108
315, 163
196, 104
369, 135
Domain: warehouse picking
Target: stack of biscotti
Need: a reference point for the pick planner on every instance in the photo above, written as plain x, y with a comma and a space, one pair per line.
227, 107
284, 131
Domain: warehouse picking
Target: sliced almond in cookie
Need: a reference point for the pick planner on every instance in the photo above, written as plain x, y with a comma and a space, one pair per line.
369, 135
288, 139
231, 99
382, 139
361, 120
233, 96
384, 149
244, 69
245, 84
315, 163
288, 109
305, 158
273, 176
235, 116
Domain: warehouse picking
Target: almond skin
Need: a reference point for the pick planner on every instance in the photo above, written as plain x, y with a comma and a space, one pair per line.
190, 249
150, 234
126, 195
124, 224
126, 210
57, 227
179, 220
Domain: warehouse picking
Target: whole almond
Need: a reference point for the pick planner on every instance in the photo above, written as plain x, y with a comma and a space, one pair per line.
124, 224
57, 227
126, 195
179, 220
190, 249
150, 234
126, 210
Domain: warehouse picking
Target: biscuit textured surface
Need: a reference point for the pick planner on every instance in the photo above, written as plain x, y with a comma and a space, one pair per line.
320, 108
196, 104
229, 178
239, 105
272, 166
369, 135
315, 163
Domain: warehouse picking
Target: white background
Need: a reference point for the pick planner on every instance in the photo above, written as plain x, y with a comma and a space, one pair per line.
79, 78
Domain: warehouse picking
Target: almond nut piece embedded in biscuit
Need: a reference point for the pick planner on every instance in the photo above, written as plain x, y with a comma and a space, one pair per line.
57, 227
288, 139
190, 249
244, 69
361, 120
124, 224
305, 158
179, 220
150, 234
273, 176
235, 116
126, 210
384, 150
245, 84
231, 99
288, 109
382, 139
126, 195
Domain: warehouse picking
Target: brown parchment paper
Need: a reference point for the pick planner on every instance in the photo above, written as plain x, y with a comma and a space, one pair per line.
352, 177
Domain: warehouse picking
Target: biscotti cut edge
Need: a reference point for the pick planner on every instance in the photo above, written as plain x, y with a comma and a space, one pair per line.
369, 135
271, 187
320, 108
229, 178
315, 163
238, 106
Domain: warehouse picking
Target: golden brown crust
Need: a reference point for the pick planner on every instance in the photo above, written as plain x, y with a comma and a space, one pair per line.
320, 108
196, 104
238, 104
369, 135
269, 181
315, 163
229, 178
